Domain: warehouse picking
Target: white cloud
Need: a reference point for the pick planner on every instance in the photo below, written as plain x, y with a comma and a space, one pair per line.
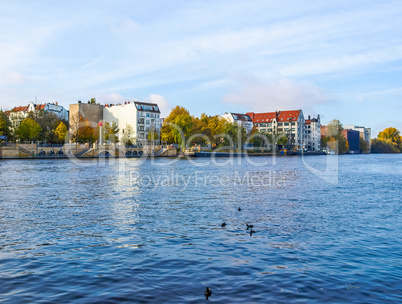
164, 106
283, 94
12, 77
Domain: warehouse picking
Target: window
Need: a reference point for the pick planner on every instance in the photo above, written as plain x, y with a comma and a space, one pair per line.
280, 124
147, 114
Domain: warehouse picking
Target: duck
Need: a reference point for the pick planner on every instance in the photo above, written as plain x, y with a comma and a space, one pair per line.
251, 232
239, 209
223, 224
207, 293
249, 226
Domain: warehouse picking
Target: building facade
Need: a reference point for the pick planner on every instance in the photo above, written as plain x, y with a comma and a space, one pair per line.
79, 112
312, 133
241, 119
144, 118
364, 133
353, 138
288, 123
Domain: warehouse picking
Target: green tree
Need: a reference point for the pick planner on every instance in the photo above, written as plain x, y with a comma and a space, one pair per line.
364, 146
282, 140
111, 132
128, 135
153, 134
235, 136
380, 146
335, 139
28, 130
61, 131
92, 101
179, 123
5, 125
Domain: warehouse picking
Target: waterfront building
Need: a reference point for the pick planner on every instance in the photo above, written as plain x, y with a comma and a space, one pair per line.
288, 123
243, 120
312, 133
80, 112
143, 117
353, 138
365, 133
17, 114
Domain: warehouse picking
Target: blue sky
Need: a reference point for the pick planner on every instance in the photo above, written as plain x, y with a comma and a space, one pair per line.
341, 59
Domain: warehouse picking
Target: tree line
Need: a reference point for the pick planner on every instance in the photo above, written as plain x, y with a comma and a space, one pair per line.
39, 126
388, 141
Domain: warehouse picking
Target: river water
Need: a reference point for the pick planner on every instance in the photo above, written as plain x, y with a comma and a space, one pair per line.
328, 229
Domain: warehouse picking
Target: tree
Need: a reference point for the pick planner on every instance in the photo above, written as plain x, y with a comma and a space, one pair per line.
92, 101
28, 130
235, 134
364, 146
282, 140
61, 131
380, 146
128, 138
111, 132
48, 121
178, 124
153, 134
335, 139
83, 131
5, 125
392, 137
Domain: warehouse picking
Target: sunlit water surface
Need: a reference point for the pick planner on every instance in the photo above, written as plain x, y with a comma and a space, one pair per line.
150, 231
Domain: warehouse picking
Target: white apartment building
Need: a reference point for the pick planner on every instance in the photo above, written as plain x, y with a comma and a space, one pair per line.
289, 123
312, 133
241, 119
365, 133
141, 116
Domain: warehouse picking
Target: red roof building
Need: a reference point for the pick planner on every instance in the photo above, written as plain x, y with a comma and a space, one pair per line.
279, 123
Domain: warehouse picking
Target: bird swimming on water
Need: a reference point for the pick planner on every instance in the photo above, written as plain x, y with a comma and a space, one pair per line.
207, 293
223, 224
239, 209
251, 232
249, 226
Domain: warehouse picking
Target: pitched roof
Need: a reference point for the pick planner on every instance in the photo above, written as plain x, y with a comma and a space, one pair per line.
19, 109
241, 117
40, 107
269, 116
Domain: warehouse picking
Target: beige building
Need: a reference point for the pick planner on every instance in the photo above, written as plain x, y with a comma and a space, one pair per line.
312, 134
289, 123
82, 112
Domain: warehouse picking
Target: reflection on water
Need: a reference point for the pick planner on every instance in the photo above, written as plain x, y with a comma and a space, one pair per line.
125, 231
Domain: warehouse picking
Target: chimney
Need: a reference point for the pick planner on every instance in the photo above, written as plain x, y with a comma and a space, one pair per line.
309, 117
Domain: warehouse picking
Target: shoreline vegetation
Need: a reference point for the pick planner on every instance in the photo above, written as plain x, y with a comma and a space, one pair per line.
185, 132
